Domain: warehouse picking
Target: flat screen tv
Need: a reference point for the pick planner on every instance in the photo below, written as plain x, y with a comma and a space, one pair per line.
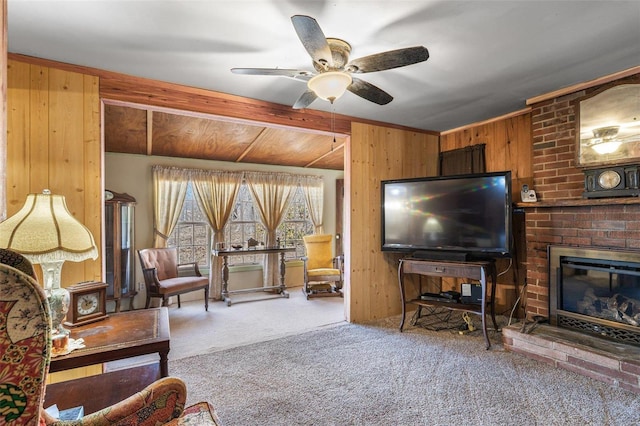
458, 217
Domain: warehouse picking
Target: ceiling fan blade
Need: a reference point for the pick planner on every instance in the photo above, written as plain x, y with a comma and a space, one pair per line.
388, 60
273, 71
369, 92
313, 39
305, 100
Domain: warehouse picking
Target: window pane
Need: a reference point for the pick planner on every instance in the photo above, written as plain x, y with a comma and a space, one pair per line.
200, 234
192, 233
185, 235
185, 254
296, 224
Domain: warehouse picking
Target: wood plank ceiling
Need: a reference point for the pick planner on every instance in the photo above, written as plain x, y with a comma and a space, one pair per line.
134, 130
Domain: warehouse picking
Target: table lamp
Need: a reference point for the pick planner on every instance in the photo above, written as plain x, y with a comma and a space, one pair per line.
46, 233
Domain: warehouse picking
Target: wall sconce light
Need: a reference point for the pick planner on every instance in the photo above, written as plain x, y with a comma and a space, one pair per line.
330, 85
46, 233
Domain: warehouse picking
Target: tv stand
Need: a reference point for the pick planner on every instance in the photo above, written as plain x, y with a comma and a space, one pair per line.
476, 270
456, 256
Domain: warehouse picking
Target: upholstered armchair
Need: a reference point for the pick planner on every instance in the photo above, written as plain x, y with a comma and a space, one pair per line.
163, 277
25, 353
323, 273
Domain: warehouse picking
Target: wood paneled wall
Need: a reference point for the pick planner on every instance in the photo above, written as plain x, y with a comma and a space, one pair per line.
375, 154
509, 146
3, 109
53, 123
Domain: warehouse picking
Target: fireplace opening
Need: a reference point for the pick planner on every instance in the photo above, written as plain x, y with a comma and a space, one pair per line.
595, 291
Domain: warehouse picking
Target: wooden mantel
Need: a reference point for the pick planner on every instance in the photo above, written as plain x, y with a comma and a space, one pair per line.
582, 202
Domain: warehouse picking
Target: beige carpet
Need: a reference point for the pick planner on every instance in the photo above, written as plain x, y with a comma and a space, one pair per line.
374, 375
195, 331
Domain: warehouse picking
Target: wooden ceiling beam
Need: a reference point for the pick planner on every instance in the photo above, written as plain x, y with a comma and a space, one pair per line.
137, 90
149, 132
333, 150
251, 146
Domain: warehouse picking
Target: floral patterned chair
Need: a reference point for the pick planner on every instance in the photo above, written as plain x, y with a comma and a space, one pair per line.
25, 351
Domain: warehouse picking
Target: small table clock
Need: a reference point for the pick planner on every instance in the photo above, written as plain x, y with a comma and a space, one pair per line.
620, 181
88, 303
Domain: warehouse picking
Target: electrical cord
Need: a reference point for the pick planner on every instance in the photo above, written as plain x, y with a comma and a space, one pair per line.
436, 319
469, 322
507, 269
515, 305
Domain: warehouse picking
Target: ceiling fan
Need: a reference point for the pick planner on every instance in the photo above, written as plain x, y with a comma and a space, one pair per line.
333, 70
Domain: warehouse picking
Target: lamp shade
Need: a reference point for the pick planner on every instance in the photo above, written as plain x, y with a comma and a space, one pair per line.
45, 231
330, 85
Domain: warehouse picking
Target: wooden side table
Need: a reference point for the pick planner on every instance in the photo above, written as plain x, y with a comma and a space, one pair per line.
122, 335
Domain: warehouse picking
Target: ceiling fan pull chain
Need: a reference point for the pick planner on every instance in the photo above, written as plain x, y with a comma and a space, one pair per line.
333, 125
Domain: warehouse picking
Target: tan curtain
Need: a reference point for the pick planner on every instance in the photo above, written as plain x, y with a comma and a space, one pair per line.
169, 191
465, 160
216, 193
271, 192
313, 189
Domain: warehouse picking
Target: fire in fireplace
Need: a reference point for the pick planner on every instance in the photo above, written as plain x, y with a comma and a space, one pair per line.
595, 291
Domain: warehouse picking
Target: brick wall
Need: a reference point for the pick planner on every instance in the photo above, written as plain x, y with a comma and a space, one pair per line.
562, 217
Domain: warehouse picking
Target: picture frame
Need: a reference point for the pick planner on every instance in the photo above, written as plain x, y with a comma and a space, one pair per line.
608, 127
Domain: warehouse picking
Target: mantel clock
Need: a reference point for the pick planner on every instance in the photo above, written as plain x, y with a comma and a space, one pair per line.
88, 303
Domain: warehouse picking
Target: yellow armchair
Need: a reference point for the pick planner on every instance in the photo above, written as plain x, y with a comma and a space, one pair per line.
323, 273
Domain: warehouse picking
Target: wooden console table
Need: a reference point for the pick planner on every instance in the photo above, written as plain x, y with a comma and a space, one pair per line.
473, 270
122, 335
281, 289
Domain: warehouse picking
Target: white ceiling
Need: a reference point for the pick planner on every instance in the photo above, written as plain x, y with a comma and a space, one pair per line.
486, 57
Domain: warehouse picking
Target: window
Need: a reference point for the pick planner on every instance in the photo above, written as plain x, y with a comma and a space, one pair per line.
192, 234
244, 223
295, 224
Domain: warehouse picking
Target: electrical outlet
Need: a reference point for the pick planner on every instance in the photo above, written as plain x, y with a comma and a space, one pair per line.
140, 286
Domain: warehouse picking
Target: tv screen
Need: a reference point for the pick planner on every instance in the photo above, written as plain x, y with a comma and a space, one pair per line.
467, 214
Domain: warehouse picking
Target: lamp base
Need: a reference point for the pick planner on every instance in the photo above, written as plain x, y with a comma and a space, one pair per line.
58, 297
59, 303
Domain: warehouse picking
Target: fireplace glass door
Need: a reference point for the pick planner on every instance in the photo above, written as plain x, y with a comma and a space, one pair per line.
597, 296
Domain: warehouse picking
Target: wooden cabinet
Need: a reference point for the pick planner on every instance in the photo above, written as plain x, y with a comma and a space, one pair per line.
119, 247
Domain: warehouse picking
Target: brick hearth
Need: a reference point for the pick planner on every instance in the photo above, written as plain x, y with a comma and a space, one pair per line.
562, 217
610, 362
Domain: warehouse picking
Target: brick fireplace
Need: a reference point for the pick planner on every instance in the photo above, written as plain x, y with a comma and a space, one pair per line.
562, 217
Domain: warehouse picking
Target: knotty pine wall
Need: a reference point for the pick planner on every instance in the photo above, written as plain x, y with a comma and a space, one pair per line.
3, 109
53, 142
376, 154
509, 146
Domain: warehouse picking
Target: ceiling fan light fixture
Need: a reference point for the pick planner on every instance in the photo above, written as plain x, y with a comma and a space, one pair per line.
330, 85
604, 142
606, 147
